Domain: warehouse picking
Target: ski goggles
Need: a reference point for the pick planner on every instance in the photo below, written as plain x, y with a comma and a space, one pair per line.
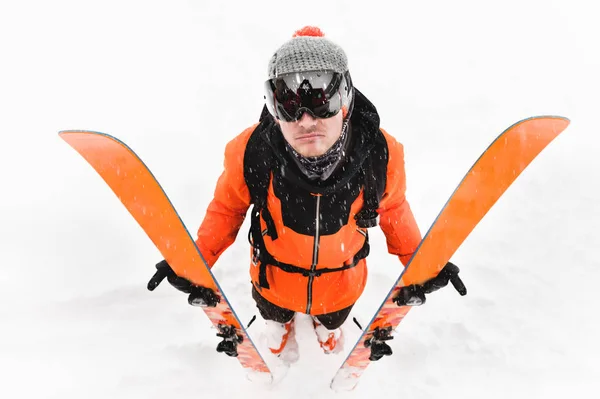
320, 93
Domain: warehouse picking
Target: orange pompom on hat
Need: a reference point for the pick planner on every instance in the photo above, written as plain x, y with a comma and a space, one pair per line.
309, 31
308, 50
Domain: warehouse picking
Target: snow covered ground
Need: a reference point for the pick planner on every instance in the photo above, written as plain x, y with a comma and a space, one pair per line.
176, 80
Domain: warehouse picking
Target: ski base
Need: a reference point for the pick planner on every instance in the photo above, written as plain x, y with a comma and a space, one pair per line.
487, 180
136, 187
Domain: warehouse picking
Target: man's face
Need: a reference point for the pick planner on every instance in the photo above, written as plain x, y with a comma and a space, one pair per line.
310, 136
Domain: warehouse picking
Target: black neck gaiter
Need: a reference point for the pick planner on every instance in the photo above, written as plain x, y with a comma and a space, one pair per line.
321, 167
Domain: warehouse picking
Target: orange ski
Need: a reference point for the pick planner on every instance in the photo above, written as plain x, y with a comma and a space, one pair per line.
492, 174
144, 198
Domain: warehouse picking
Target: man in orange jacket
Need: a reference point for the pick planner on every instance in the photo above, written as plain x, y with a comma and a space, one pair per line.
319, 171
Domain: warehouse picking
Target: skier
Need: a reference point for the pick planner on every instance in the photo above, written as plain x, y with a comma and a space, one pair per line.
319, 171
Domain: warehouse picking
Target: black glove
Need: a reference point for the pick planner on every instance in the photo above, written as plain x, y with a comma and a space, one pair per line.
199, 296
414, 295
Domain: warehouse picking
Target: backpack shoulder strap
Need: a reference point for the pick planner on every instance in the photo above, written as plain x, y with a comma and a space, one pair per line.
374, 174
259, 162
257, 168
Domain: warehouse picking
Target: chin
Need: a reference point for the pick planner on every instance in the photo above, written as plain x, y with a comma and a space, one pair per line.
312, 153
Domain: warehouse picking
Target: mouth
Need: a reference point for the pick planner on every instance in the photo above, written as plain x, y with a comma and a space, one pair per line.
309, 136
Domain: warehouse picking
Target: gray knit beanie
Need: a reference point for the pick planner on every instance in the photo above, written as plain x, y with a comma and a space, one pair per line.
308, 50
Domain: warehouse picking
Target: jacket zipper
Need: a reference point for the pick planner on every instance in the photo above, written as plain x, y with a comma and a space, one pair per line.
315, 259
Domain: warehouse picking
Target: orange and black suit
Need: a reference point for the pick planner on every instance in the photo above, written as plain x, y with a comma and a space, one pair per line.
309, 229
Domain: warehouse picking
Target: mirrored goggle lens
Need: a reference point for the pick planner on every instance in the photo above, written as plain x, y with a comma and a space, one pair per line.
316, 92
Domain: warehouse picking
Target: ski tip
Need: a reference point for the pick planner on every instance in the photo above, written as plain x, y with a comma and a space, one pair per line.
564, 118
76, 135
559, 123
82, 131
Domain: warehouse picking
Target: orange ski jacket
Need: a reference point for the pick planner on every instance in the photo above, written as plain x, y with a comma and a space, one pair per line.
315, 228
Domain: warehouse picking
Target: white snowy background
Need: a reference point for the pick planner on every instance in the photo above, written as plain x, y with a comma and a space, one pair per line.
176, 80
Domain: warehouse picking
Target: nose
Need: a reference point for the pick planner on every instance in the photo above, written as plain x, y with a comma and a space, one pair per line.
307, 120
